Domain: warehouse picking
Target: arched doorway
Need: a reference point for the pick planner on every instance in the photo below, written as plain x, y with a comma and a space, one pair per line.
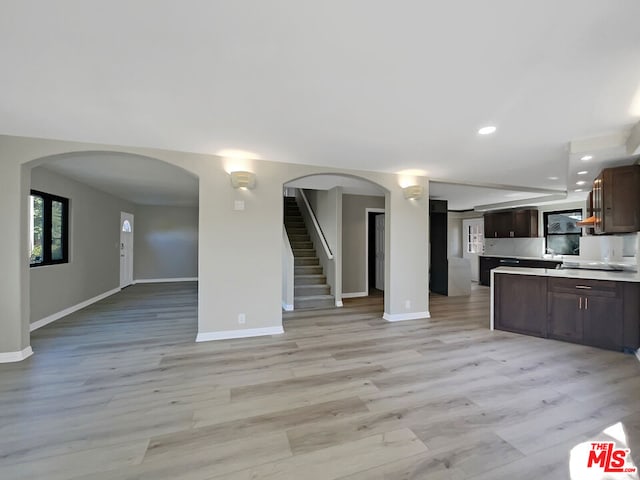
326, 241
104, 190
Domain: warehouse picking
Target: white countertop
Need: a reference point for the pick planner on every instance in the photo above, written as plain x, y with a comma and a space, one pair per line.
571, 273
548, 259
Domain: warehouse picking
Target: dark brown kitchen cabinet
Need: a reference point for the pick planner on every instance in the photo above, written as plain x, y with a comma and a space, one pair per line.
589, 312
520, 304
525, 223
601, 329
497, 225
511, 224
599, 313
616, 200
564, 321
589, 209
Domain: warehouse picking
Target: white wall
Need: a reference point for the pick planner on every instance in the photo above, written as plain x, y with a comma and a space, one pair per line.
354, 238
288, 272
94, 257
165, 242
239, 260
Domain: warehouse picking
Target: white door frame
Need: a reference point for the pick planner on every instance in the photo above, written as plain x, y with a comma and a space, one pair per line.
472, 257
126, 277
366, 244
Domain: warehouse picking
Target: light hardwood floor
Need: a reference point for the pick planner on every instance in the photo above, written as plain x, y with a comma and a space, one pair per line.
121, 391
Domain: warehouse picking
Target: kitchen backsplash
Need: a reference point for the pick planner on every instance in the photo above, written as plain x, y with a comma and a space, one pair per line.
630, 244
518, 247
534, 247
613, 247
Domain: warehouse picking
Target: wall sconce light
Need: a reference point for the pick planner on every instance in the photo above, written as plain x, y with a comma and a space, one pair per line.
413, 191
243, 179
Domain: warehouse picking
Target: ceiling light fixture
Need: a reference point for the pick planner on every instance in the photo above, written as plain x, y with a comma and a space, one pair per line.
488, 130
578, 190
583, 172
552, 178
581, 182
586, 158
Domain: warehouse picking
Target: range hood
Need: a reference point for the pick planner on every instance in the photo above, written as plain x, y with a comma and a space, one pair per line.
587, 222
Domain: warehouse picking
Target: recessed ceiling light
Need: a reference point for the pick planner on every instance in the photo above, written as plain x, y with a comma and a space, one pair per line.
578, 190
581, 182
488, 130
586, 158
552, 178
583, 172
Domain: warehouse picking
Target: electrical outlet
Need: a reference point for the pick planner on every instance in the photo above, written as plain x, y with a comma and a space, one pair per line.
407, 304
242, 318
238, 205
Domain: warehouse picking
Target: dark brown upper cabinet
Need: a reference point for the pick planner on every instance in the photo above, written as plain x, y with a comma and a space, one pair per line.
616, 200
511, 224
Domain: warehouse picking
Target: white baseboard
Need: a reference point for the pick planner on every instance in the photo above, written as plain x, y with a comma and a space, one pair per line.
9, 357
245, 333
355, 295
339, 303
400, 317
287, 307
165, 280
67, 311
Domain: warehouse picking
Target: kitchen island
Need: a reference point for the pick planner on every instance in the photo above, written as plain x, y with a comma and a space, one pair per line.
591, 307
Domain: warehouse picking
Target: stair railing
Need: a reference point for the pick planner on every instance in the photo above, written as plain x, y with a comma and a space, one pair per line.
316, 225
288, 272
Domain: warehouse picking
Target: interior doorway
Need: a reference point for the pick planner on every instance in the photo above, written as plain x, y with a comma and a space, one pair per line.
126, 249
375, 248
473, 244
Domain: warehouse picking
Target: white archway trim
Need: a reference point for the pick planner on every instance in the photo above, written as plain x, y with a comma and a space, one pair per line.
10, 357
68, 311
401, 317
165, 280
244, 333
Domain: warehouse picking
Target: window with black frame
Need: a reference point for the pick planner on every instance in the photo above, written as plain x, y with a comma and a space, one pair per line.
48, 229
562, 235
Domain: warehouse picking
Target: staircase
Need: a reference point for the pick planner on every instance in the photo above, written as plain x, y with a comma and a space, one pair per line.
310, 284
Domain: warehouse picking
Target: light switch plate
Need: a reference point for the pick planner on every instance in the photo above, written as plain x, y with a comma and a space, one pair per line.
238, 205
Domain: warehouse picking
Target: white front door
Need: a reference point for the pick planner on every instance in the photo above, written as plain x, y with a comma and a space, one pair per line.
126, 249
473, 244
379, 252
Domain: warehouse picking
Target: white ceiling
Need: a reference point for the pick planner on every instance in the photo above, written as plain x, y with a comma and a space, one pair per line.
138, 179
364, 84
350, 185
464, 197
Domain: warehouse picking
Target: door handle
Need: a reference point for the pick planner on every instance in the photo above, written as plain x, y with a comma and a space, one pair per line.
586, 303
583, 287
580, 303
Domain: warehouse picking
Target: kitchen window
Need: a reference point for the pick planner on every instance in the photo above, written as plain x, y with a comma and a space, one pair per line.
562, 235
48, 229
